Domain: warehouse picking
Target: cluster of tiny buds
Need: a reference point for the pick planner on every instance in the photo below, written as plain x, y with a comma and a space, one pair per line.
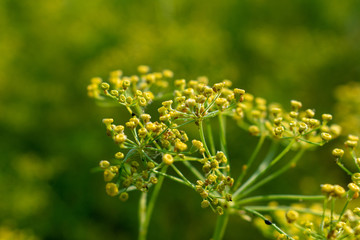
120, 178
350, 144
214, 189
195, 99
334, 190
273, 121
131, 91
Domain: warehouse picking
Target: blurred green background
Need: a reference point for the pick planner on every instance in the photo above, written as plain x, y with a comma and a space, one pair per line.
51, 133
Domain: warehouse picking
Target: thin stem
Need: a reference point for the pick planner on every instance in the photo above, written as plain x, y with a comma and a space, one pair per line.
344, 168
284, 208
332, 214
344, 208
194, 170
268, 222
299, 198
202, 137
222, 127
273, 175
263, 167
323, 215
211, 138
220, 227
171, 177
286, 150
355, 159
314, 235
142, 216
145, 225
181, 175
251, 160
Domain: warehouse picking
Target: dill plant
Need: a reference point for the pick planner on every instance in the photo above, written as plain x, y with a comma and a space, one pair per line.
164, 144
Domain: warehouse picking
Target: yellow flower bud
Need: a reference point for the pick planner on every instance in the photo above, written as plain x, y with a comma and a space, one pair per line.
143, 69
119, 128
119, 155
326, 136
120, 138
296, 104
309, 113
326, 117
338, 153
339, 191
168, 73
218, 86
105, 86
254, 130
104, 164
145, 117
291, 216
108, 175
356, 178
142, 132
197, 144
205, 204
108, 121
168, 159
353, 138
219, 210
335, 130
142, 101
353, 187
96, 80
124, 196
302, 127
180, 146
351, 144
327, 188
111, 189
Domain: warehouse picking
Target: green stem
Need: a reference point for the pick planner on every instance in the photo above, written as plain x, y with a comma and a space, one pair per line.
286, 150
332, 214
284, 208
194, 170
312, 234
222, 126
202, 137
323, 215
355, 159
171, 177
142, 217
144, 224
273, 175
344, 168
263, 167
182, 176
220, 227
211, 138
267, 222
299, 198
251, 160
344, 208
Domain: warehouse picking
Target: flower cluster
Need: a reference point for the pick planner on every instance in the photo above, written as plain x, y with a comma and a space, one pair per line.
151, 143
272, 120
130, 91
322, 221
150, 146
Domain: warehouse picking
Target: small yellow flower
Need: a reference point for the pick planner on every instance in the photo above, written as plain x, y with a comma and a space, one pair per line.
111, 189
167, 159
291, 216
104, 164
